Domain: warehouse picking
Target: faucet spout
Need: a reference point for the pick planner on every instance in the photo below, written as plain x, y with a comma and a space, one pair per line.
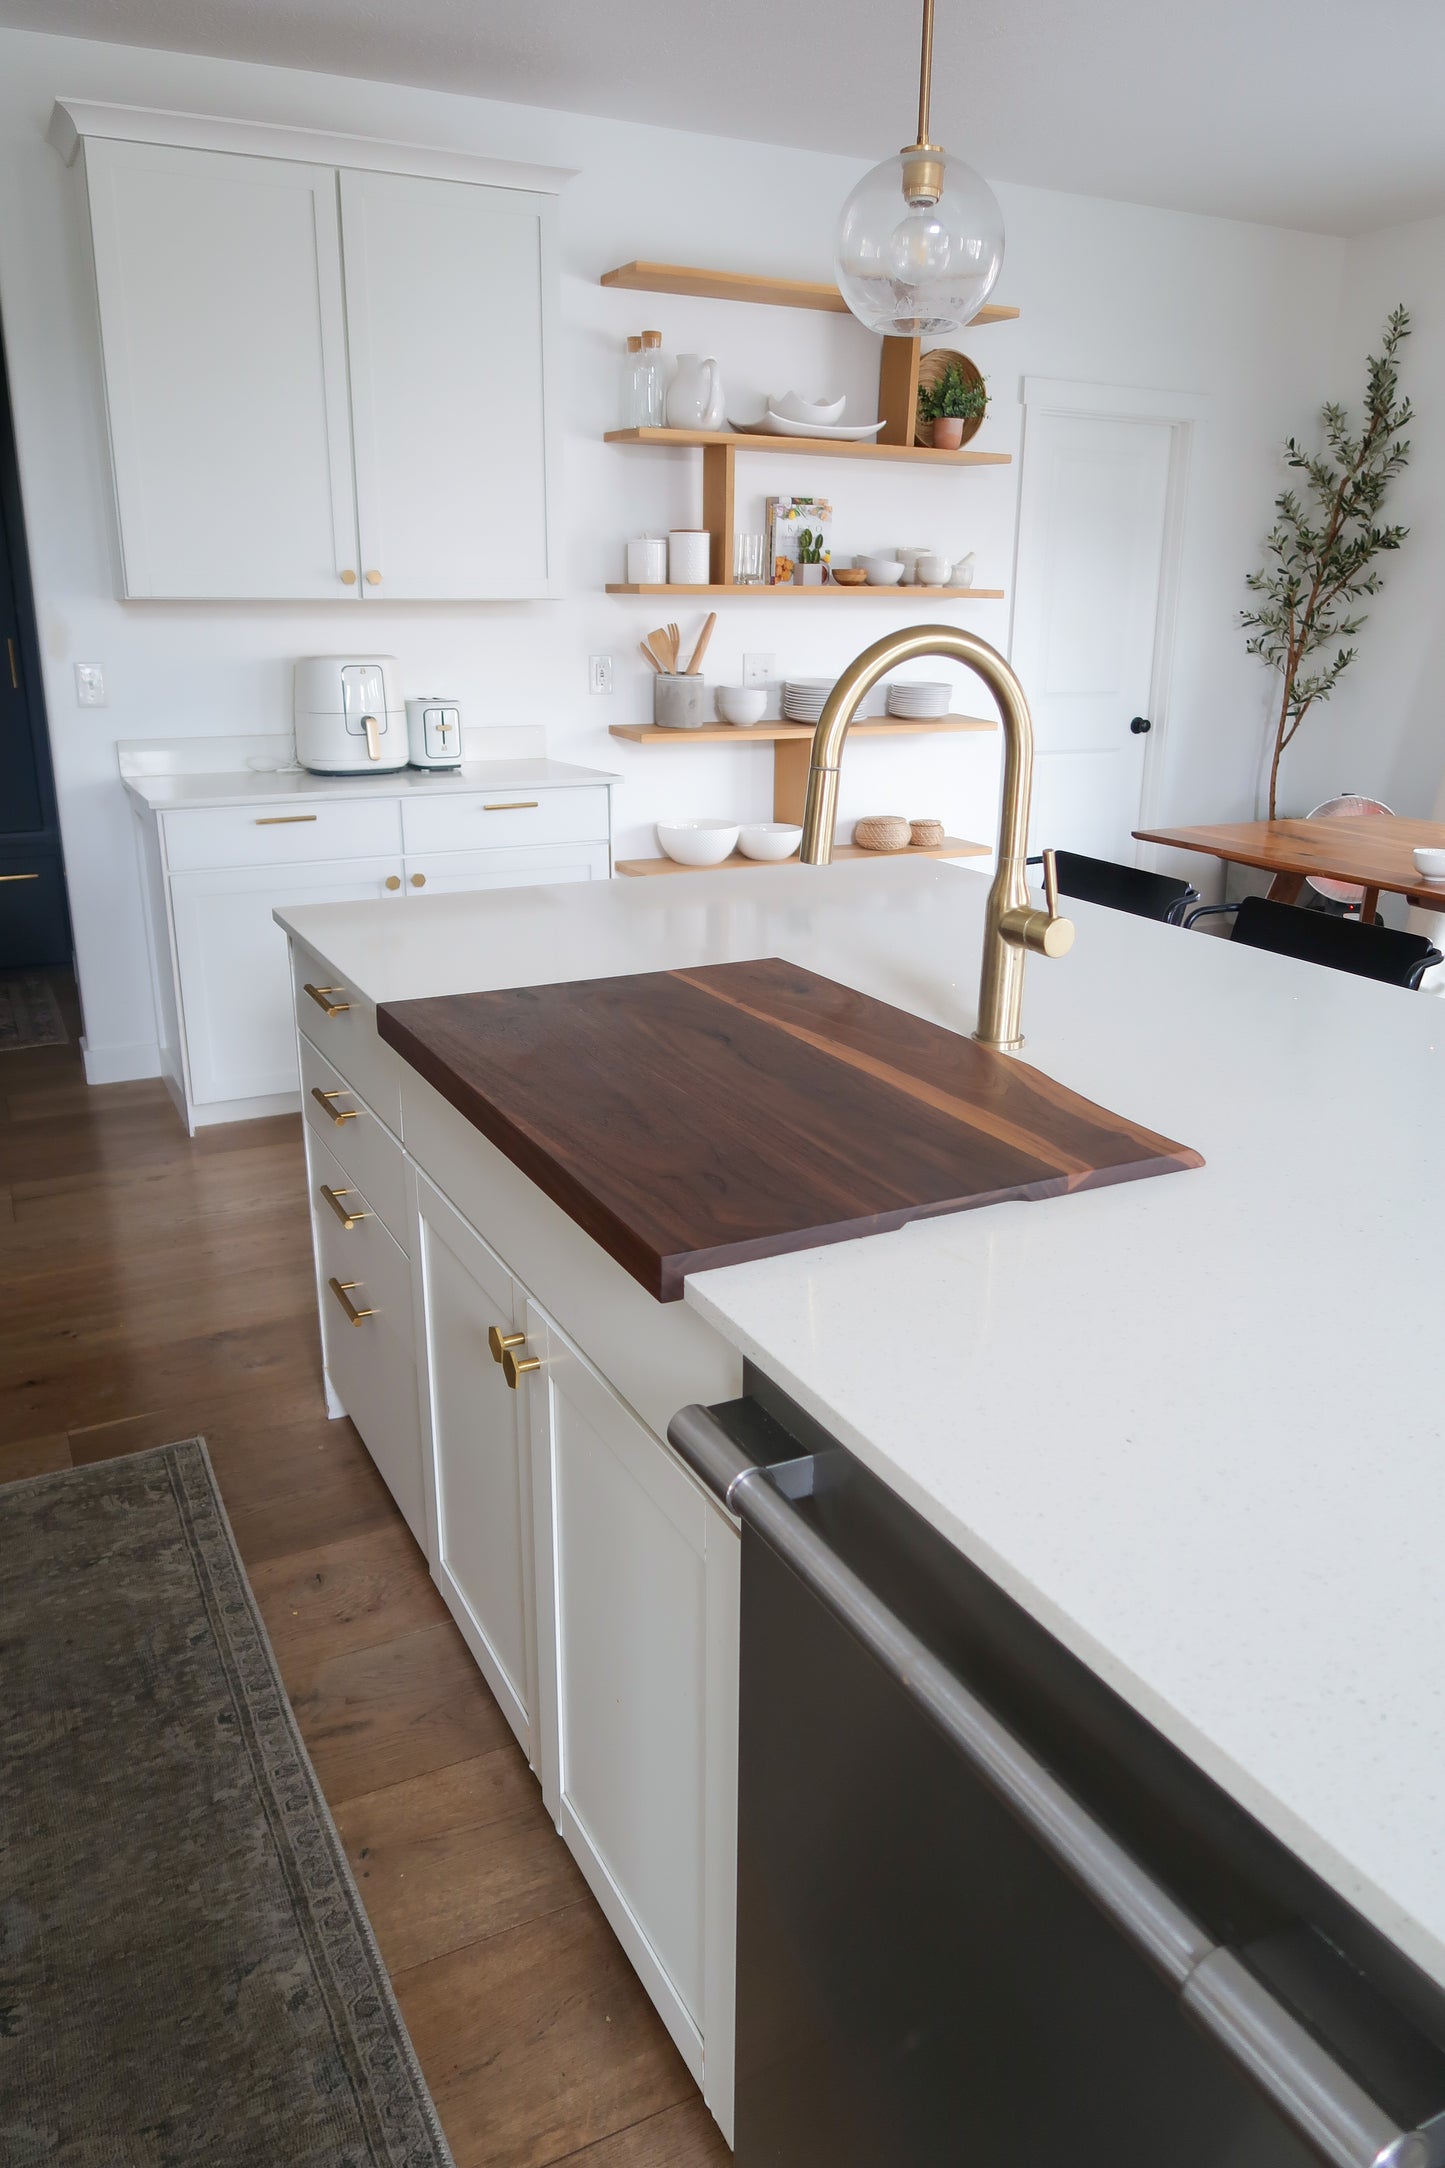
1012, 925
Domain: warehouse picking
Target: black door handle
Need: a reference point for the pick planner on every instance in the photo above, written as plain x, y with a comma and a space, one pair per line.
1141, 726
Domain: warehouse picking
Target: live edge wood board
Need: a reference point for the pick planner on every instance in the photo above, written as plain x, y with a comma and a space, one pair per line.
694, 1118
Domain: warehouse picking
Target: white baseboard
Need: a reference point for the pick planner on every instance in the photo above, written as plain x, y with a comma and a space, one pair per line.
120, 1064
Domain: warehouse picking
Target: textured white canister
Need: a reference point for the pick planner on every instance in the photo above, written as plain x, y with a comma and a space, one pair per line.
647, 561
689, 555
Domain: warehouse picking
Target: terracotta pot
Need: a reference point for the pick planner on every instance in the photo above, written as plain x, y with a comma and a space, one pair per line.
948, 432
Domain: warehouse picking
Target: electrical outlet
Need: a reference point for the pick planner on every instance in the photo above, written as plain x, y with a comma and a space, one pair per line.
758, 669
599, 673
90, 685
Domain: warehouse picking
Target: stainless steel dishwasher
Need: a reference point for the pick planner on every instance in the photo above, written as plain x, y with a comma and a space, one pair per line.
987, 1916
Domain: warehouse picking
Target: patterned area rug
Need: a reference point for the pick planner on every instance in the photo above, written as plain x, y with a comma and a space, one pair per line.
186, 1972
29, 1015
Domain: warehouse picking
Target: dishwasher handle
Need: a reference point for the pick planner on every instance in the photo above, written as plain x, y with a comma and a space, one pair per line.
1321, 2101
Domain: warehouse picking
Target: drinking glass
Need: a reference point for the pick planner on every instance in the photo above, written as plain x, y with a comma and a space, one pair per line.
747, 560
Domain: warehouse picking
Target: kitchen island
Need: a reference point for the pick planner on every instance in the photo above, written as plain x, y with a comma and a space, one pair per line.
1192, 1425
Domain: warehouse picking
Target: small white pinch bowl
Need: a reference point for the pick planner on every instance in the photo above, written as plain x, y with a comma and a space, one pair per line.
769, 841
741, 704
698, 843
795, 408
883, 571
1430, 862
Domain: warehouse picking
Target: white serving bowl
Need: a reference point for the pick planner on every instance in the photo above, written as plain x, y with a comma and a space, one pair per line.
1431, 863
882, 571
770, 841
794, 408
698, 843
741, 703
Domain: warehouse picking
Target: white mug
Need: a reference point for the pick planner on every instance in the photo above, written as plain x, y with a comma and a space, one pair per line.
647, 562
689, 557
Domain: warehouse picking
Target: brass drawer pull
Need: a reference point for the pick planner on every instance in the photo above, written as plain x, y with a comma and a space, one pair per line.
341, 1289
14, 673
283, 820
321, 995
513, 805
19, 876
499, 1341
324, 1099
344, 1213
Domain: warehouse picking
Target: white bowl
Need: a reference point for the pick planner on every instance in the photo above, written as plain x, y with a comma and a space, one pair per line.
741, 703
1431, 863
882, 571
698, 843
795, 408
770, 841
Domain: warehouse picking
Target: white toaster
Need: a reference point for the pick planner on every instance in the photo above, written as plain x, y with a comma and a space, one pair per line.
350, 715
434, 732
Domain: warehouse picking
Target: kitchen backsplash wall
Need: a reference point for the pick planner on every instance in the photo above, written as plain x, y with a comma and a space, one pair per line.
1110, 293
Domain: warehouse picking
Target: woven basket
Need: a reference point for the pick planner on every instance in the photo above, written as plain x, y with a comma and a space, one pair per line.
930, 369
882, 832
926, 835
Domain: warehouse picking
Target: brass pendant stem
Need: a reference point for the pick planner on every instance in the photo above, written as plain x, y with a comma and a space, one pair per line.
925, 73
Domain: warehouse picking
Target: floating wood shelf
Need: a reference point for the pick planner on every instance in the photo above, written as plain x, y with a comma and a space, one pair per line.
898, 594
950, 847
921, 455
792, 746
679, 278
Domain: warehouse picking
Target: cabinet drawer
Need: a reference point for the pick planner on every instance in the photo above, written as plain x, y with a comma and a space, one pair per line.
280, 835
495, 817
347, 1036
370, 1362
365, 1148
443, 873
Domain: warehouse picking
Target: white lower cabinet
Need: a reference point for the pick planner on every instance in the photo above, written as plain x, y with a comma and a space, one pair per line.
481, 1480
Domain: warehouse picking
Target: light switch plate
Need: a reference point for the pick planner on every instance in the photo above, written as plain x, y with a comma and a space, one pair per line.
90, 685
758, 669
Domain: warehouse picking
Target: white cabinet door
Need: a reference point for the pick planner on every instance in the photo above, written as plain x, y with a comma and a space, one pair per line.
449, 304
234, 969
224, 342
637, 1666
478, 1454
439, 873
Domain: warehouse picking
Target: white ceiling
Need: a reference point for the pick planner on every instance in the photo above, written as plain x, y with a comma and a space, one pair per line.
1317, 113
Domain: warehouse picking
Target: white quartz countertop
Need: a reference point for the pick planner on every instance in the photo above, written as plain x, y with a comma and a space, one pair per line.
1195, 1424
247, 786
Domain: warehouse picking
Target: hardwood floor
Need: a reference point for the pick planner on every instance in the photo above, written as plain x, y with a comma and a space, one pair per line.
155, 1287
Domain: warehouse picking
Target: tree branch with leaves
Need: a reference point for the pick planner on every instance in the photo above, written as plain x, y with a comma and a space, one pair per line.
1323, 545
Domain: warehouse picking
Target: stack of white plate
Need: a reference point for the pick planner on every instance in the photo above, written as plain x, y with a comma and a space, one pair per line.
918, 699
804, 698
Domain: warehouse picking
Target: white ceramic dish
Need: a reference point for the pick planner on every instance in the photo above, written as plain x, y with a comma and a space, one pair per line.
769, 841
698, 843
812, 413
883, 571
774, 424
741, 704
1431, 863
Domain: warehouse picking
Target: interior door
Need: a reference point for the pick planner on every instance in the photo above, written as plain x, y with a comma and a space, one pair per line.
1092, 520
447, 287
224, 340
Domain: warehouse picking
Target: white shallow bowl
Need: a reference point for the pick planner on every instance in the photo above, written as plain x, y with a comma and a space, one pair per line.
882, 571
698, 843
770, 841
793, 407
741, 704
1431, 863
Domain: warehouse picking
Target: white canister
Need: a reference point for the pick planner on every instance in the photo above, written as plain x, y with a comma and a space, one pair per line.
689, 556
647, 561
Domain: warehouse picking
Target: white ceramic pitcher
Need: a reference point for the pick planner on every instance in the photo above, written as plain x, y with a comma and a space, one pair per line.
695, 395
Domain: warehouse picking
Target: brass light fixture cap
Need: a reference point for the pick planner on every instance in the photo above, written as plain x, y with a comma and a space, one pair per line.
922, 174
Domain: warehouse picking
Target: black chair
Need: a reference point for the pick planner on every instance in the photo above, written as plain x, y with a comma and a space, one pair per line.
1122, 888
1315, 937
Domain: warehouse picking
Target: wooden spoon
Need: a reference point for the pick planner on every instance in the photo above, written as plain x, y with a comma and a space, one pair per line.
701, 649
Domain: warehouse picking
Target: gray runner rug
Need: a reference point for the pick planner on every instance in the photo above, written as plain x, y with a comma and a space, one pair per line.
187, 1976
30, 1015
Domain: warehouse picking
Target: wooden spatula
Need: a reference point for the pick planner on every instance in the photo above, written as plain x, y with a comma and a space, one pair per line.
648, 655
657, 640
701, 649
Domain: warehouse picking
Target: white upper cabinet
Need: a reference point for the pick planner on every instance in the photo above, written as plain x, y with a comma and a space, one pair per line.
224, 342
325, 373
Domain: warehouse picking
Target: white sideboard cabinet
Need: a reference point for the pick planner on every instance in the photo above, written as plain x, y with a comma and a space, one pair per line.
325, 362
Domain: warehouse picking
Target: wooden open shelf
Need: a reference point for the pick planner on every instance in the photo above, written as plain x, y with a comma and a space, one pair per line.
922, 455
950, 847
680, 278
899, 594
776, 732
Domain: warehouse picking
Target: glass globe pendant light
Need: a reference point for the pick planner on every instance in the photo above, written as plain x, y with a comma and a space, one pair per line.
920, 241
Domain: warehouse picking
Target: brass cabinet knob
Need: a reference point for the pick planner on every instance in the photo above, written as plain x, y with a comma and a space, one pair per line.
499, 1341
418, 880
348, 578
517, 1366
373, 579
393, 880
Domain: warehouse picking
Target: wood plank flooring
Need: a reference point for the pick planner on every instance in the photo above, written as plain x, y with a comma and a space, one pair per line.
154, 1286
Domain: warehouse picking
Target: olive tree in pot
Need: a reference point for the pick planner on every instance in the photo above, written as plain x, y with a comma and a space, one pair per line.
1323, 545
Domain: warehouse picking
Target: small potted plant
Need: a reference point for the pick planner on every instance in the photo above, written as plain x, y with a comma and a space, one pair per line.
955, 404
808, 571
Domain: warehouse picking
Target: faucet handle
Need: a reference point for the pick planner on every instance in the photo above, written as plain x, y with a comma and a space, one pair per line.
1046, 932
1051, 883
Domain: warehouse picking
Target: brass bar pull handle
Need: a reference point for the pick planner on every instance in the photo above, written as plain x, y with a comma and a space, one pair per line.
341, 1289
347, 1215
14, 665
499, 1341
324, 1099
518, 1366
19, 876
515, 805
283, 820
321, 995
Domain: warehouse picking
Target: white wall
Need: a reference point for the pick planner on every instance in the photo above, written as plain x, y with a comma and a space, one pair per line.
1112, 293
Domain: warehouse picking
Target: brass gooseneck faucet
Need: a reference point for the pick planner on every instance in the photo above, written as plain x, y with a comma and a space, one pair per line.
1012, 925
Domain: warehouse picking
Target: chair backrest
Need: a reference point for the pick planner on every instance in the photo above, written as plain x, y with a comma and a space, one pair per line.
1121, 888
1371, 952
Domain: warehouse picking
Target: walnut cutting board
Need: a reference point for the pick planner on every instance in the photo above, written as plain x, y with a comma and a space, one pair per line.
701, 1117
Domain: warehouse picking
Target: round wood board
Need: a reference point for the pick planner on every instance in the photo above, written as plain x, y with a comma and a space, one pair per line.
930, 368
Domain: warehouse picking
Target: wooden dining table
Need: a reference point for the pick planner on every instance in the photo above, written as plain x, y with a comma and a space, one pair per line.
1371, 850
